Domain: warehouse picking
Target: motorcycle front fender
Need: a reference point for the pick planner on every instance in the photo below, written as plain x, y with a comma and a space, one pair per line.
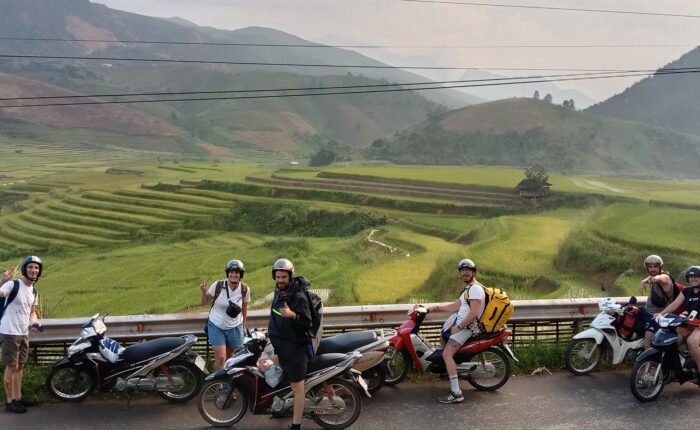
651, 352
591, 333
219, 374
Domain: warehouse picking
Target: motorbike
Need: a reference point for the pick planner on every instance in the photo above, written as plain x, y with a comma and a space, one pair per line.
606, 336
664, 362
372, 344
166, 365
483, 360
333, 389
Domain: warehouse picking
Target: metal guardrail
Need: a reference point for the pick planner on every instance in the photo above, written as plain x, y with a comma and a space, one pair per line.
132, 328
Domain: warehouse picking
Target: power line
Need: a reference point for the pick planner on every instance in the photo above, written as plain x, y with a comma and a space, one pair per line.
555, 8
333, 87
267, 96
320, 65
300, 45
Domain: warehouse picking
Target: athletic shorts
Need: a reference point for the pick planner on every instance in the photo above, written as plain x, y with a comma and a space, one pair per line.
293, 362
15, 349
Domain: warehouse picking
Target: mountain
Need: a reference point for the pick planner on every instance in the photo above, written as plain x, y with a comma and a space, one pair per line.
267, 124
523, 131
671, 100
497, 92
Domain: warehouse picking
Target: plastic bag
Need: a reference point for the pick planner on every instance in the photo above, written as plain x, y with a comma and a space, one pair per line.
111, 349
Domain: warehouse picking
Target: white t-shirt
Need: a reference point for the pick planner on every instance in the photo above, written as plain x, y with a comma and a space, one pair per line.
15, 321
217, 315
474, 292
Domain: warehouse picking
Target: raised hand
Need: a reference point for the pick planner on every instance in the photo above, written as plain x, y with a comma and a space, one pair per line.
7, 275
203, 285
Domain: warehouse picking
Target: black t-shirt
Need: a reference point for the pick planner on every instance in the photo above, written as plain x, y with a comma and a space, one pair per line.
692, 300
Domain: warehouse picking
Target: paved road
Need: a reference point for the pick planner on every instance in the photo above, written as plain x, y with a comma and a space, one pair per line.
563, 401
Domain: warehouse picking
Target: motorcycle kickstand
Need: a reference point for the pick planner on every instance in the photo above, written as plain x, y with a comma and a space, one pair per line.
128, 401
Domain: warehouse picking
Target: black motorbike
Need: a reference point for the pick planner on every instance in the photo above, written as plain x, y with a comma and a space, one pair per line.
166, 365
333, 389
664, 362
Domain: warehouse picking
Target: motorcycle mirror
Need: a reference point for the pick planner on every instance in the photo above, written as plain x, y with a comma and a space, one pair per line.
693, 315
633, 300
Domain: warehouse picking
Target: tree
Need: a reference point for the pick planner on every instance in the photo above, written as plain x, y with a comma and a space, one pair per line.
536, 178
323, 157
548, 98
536, 96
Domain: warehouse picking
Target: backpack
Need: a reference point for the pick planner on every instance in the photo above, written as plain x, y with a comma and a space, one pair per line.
497, 308
5, 301
627, 322
220, 286
659, 300
315, 332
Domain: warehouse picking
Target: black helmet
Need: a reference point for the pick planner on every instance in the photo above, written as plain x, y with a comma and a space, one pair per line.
236, 265
283, 264
692, 271
466, 264
653, 259
32, 259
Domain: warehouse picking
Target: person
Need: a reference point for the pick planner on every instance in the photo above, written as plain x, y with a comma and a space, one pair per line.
690, 299
290, 320
469, 307
661, 294
14, 329
229, 311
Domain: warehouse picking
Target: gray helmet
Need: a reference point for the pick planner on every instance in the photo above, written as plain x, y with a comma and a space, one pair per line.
32, 259
236, 265
653, 259
692, 271
466, 264
283, 264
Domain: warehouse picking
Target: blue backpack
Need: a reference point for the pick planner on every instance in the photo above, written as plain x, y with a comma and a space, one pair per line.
5, 301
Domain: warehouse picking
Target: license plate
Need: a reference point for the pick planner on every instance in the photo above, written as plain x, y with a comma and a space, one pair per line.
199, 362
363, 384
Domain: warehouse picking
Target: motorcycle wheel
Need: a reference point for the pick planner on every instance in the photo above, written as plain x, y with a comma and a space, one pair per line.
496, 358
397, 365
190, 374
582, 356
642, 380
221, 403
69, 382
375, 377
348, 395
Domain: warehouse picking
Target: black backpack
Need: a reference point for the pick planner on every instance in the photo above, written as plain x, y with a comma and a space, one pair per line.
315, 332
5, 301
660, 300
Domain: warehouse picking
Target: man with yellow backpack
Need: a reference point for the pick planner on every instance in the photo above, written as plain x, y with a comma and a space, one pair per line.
478, 310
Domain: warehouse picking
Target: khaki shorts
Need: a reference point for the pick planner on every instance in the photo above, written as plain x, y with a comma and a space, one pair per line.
461, 336
15, 349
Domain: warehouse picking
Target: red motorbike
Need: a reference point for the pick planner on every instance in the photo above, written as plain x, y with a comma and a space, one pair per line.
482, 360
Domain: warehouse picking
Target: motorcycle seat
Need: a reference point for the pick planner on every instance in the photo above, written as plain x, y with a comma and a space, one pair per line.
346, 342
151, 348
321, 362
482, 336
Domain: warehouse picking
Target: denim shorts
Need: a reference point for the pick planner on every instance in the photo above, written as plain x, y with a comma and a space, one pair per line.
232, 338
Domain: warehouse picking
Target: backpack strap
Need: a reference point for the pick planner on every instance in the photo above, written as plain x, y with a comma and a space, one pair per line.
13, 295
217, 291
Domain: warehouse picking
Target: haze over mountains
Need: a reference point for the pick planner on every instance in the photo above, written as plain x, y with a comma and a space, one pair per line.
406, 127
666, 100
269, 124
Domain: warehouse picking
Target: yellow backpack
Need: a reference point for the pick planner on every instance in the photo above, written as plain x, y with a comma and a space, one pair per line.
497, 309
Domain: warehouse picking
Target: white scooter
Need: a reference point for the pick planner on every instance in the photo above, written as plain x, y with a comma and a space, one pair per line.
609, 332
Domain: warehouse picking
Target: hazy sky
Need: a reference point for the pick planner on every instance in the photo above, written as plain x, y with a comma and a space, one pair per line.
395, 22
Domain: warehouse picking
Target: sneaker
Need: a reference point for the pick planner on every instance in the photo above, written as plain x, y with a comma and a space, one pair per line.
16, 407
28, 403
452, 398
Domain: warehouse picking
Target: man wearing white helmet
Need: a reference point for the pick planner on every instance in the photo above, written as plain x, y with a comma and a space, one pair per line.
662, 292
469, 307
19, 300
